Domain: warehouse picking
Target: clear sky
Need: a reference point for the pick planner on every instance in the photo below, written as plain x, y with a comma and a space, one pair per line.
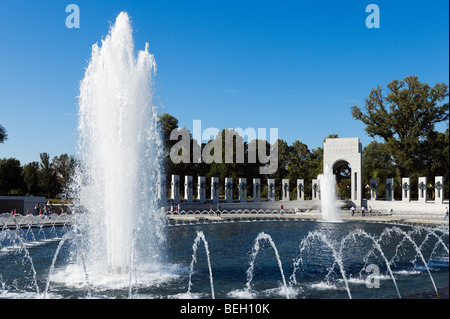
293, 65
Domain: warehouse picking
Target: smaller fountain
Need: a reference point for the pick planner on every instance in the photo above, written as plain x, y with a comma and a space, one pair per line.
327, 182
200, 236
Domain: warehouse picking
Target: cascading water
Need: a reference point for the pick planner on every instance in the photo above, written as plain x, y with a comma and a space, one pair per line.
120, 152
327, 182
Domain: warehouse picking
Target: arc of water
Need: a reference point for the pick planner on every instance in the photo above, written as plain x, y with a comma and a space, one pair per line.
399, 231
55, 256
407, 237
200, 237
256, 247
376, 245
336, 255
430, 233
361, 232
27, 255
440, 241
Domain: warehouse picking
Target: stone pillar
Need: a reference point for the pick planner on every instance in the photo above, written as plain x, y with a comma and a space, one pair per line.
228, 189
201, 189
215, 189
300, 189
422, 189
439, 189
256, 190
175, 189
188, 189
242, 189
406, 189
315, 189
285, 189
373, 188
271, 190
389, 189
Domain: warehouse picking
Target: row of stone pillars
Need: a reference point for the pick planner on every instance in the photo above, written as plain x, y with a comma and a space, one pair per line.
406, 189
215, 183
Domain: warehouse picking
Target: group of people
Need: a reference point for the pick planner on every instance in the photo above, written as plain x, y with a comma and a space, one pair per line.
46, 210
363, 210
49, 210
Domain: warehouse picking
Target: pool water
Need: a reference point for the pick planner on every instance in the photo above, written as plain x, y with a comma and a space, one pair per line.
294, 259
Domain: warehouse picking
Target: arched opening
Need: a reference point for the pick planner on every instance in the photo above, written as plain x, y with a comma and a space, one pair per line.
343, 155
343, 172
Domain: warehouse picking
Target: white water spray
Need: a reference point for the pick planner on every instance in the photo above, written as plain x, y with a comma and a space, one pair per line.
327, 182
120, 152
265, 237
200, 236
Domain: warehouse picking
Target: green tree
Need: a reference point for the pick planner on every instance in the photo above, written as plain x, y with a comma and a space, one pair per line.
3, 135
30, 176
11, 181
404, 117
47, 176
167, 123
284, 161
63, 166
377, 163
299, 164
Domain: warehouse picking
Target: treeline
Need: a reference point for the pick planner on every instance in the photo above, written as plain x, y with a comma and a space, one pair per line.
401, 119
48, 178
295, 161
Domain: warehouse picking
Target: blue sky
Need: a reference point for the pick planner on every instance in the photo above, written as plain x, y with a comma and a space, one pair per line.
293, 65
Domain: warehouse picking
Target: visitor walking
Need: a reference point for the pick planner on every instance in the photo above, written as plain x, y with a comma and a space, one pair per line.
211, 210
446, 213
179, 208
353, 210
218, 210
281, 210
37, 208
363, 210
370, 210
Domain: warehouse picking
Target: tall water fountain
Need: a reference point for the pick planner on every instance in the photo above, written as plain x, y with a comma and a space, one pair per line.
117, 244
119, 148
327, 182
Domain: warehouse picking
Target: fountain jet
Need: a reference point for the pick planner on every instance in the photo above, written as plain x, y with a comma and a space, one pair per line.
327, 182
120, 153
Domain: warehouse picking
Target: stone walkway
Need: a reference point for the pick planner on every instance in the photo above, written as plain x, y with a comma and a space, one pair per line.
396, 218
433, 220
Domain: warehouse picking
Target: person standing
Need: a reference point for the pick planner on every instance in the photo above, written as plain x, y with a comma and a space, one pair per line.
218, 210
